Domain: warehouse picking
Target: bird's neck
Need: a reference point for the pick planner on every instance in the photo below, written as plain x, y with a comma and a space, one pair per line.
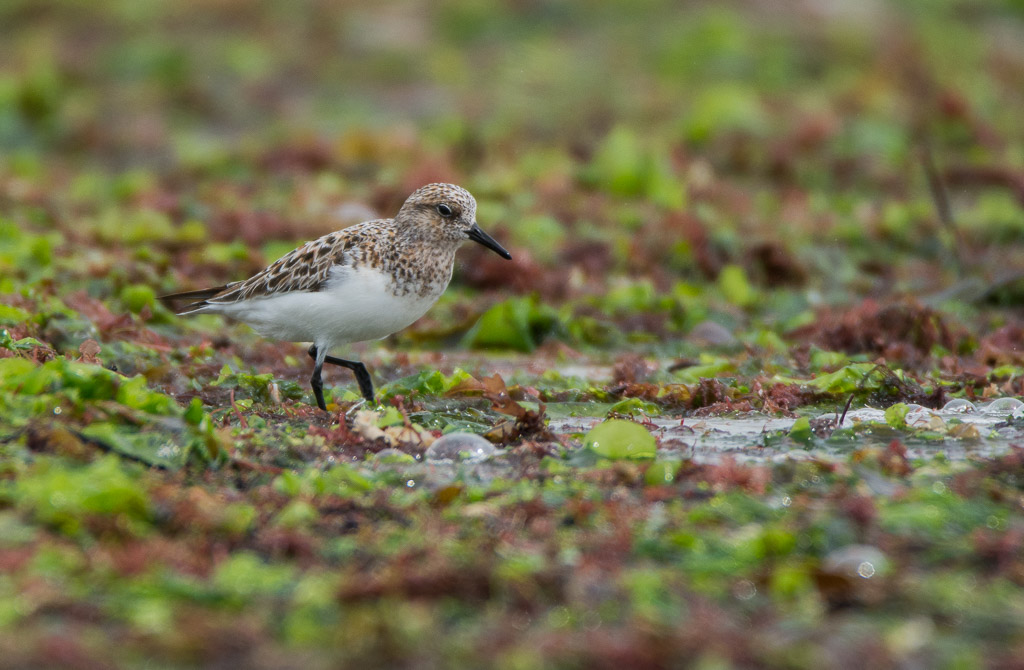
421, 263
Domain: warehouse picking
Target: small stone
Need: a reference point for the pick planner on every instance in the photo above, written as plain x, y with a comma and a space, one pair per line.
465, 447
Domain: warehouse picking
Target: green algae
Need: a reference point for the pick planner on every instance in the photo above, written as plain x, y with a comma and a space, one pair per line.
616, 439
144, 424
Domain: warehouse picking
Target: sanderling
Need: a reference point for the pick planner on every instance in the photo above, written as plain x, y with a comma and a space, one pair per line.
356, 284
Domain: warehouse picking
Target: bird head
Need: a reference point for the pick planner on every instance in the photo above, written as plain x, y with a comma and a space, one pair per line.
450, 211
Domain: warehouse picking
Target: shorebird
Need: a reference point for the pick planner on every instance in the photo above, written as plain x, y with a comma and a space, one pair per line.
356, 284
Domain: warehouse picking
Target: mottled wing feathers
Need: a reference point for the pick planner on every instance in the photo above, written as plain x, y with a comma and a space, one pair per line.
304, 269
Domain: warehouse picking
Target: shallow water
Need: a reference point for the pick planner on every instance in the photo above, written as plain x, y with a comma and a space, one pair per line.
958, 430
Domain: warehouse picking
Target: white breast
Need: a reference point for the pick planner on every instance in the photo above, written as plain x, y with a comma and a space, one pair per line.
355, 305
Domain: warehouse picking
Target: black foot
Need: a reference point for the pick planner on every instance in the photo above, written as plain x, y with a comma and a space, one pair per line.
357, 368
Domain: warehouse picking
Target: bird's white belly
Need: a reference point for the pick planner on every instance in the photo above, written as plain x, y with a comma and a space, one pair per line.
357, 306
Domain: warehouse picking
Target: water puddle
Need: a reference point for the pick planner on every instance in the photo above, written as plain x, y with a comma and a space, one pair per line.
958, 430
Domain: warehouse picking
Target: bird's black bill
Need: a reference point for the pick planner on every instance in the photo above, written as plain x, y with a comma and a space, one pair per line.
478, 235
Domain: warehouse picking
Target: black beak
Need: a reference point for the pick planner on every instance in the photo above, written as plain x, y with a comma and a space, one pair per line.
477, 235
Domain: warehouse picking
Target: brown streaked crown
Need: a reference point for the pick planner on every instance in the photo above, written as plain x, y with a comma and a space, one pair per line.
428, 203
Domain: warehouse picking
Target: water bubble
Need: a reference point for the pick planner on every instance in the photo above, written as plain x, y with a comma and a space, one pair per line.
591, 620
559, 617
1003, 406
786, 501
411, 483
465, 447
959, 406
744, 589
57, 410
866, 570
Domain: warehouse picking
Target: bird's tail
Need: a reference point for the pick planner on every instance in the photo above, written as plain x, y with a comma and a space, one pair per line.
198, 299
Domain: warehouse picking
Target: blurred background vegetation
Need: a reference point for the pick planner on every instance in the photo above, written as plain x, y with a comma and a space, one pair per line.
137, 82
640, 99
784, 137
744, 162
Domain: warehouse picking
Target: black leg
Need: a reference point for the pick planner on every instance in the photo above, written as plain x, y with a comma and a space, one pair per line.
357, 368
316, 381
361, 373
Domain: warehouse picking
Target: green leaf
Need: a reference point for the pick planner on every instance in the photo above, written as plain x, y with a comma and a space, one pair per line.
390, 417
296, 514
65, 497
13, 316
24, 344
709, 368
426, 382
735, 286
850, 378
721, 108
518, 324
167, 449
93, 382
801, 430
137, 297
821, 359
255, 386
662, 472
617, 439
245, 575
195, 414
620, 165
13, 372
136, 394
633, 406
844, 380
896, 415
27, 377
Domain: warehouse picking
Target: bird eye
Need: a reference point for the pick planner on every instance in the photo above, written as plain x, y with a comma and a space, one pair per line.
444, 210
